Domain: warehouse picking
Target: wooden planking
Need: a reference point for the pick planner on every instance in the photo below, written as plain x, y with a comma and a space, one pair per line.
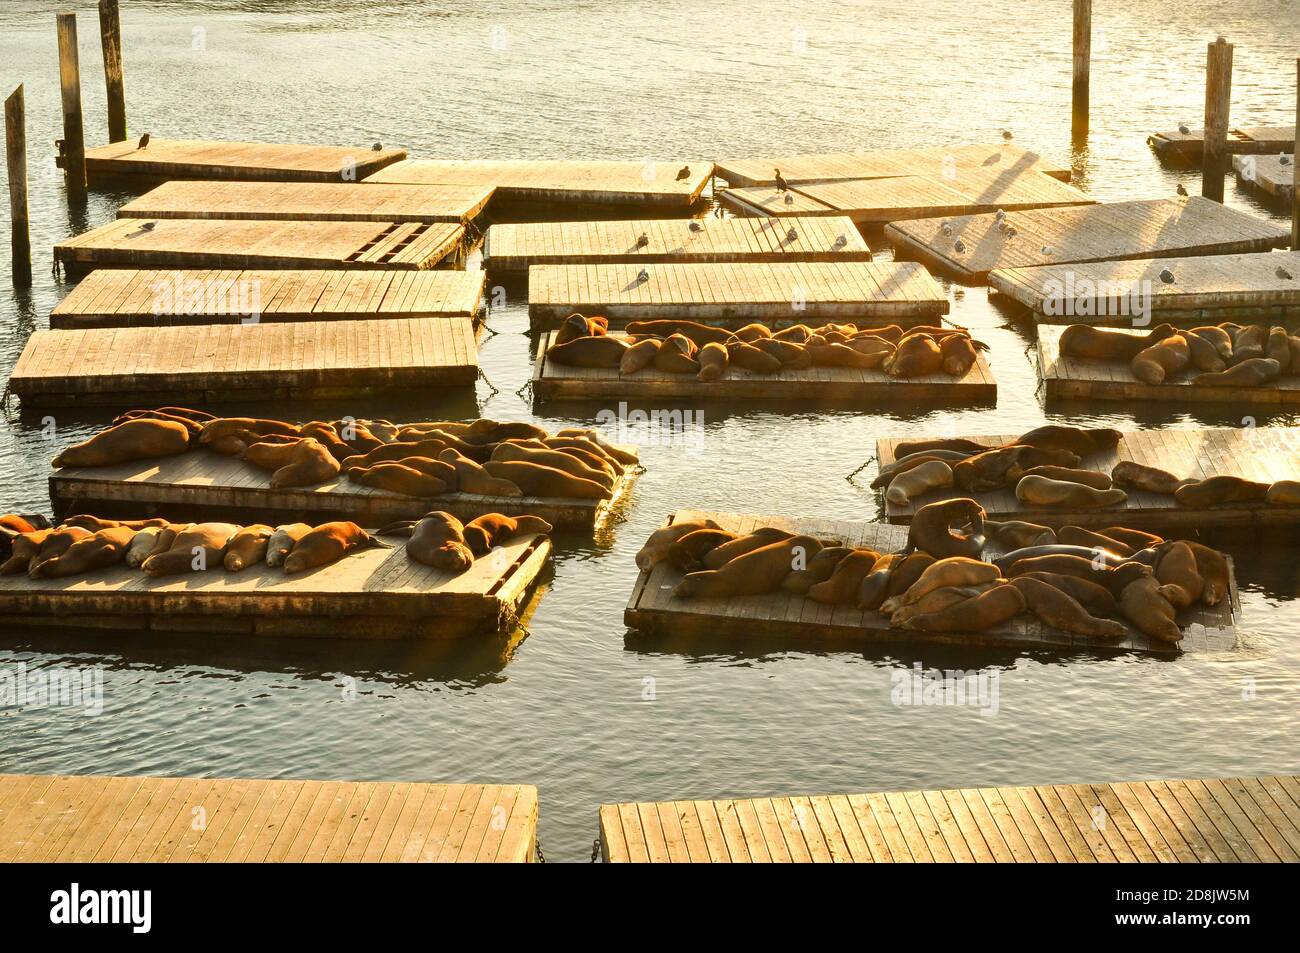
1207, 289
515, 247
102, 818
235, 243
1072, 377
1268, 173
560, 381
1265, 454
738, 292
324, 201
122, 297
786, 616
887, 163
1154, 228
371, 594
219, 362
1228, 820
1173, 144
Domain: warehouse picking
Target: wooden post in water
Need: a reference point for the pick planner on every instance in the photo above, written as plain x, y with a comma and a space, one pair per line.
1295, 170
1082, 68
110, 37
16, 156
1218, 97
74, 140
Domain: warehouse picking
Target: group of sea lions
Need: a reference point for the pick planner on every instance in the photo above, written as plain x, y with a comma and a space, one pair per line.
1224, 355
441, 540
428, 459
686, 347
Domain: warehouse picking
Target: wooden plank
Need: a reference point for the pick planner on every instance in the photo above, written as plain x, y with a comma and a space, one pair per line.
1252, 140
1274, 175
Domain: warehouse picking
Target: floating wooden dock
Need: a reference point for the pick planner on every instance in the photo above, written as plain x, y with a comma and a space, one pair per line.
1268, 174
1152, 228
1209, 820
1265, 454
370, 594
224, 362
202, 484
310, 201
512, 247
125, 297
232, 243
1207, 289
887, 163
166, 159
782, 615
106, 819
738, 293
560, 381
563, 181
1253, 140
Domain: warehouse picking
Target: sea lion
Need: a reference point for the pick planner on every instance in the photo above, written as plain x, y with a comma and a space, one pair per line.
902, 465
1248, 342
915, 356
1175, 570
555, 459
656, 546
991, 607
438, 540
875, 584
247, 547
953, 571
163, 541
1283, 492
907, 447
96, 523
142, 546
841, 355
435, 468
1114, 580
14, 523
329, 543
1078, 536
1217, 338
1141, 603
328, 435
841, 588
937, 601
1205, 357
221, 427
1098, 344
534, 479
309, 463
676, 355
752, 573
639, 355
1095, 598
25, 548
486, 430
577, 326
752, 358
496, 529
400, 478
1060, 610
687, 554
624, 455
197, 548
282, 542
752, 332
395, 453
193, 426
1249, 373
701, 334
1099, 556
1093, 478
1017, 533
958, 353
1135, 539
474, 478
1079, 441
713, 358
1161, 361
1221, 489
55, 544
603, 351
1212, 567
1142, 477
877, 348
819, 569
988, 470
722, 554
936, 529
141, 439
586, 451
1041, 491
97, 551
931, 475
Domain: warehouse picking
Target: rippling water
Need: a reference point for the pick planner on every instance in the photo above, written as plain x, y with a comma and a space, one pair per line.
561, 705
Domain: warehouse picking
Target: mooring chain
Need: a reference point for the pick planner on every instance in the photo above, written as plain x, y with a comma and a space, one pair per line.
595, 850
527, 388
492, 387
541, 858
866, 463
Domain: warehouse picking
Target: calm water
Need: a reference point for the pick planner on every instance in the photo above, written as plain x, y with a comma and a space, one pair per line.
561, 705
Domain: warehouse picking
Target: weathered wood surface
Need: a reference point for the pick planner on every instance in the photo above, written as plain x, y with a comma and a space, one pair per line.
1268, 173
1207, 289
123, 297
653, 609
739, 293
1210, 820
103, 818
20, 237
1265, 454
560, 381
223, 362
1152, 228
233, 243
1251, 140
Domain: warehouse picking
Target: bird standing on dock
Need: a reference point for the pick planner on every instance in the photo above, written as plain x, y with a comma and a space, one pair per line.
378, 147
946, 228
999, 215
959, 246
1048, 250
789, 199
1283, 158
781, 184
683, 173
144, 141
147, 226
642, 240
1182, 190
1006, 135
1283, 274
791, 235
841, 241
1184, 129
1166, 276
696, 225
642, 276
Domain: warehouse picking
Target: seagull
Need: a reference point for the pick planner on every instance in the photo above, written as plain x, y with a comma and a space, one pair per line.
147, 226
643, 275
789, 199
683, 173
643, 240
781, 184
696, 225
840, 241
1006, 135
144, 141
1048, 250
946, 228
1182, 190
1283, 274
1184, 129
1166, 276
1011, 231
791, 235
1283, 159
959, 246
999, 215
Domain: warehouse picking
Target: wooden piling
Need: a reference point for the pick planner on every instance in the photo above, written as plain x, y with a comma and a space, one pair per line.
110, 37
1295, 167
74, 140
1082, 67
16, 157
1218, 97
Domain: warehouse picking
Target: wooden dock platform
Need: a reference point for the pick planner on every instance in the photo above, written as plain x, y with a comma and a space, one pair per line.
1207, 289
233, 243
1152, 228
1268, 174
1253, 140
313, 201
1208, 820
512, 247
560, 181
738, 293
231, 362
553, 381
1265, 454
107, 819
125, 297
789, 617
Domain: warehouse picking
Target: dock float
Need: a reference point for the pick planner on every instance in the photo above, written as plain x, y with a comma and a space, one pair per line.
310, 201
166, 159
107, 819
1207, 289
234, 243
738, 293
125, 297
1253, 140
514, 247
553, 381
232, 362
1207, 820
1151, 228
1269, 174
1266, 454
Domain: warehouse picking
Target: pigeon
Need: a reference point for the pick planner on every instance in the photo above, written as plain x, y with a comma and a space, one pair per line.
959, 246
642, 240
147, 226
1166, 276
643, 275
144, 141
377, 147
696, 226
683, 173
1182, 190
791, 235
946, 228
1283, 274
1048, 250
1183, 128
1284, 159
781, 184
789, 199
840, 241
1006, 135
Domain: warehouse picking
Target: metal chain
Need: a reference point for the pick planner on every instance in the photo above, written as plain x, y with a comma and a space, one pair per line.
595, 850
491, 386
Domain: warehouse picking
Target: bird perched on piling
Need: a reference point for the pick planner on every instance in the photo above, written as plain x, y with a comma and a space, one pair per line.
1182, 190
642, 276
683, 173
144, 141
1166, 276
1283, 273
378, 147
781, 184
1183, 128
642, 240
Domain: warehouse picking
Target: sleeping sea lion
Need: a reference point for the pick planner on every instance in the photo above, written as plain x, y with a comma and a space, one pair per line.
752, 358
875, 584
472, 477
555, 459
841, 355
1249, 373
713, 358
603, 351
1114, 580
1142, 477
753, 573
903, 464
937, 601
1205, 357
247, 547
1221, 489
722, 554
282, 542
97, 551
656, 546
25, 548
142, 546
1093, 597
1135, 539
701, 334
931, 475
953, 571
907, 447
197, 548
937, 529
687, 554
220, 427
988, 470
1248, 342
1093, 478
96, 523
991, 607
639, 355
54, 544
1078, 536
1016, 534
329, 543
1141, 603
915, 356
1099, 556
1060, 610
958, 353
819, 569
495, 529
400, 478
1212, 567
534, 479
309, 463
676, 355
1217, 338
1098, 344
841, 588
438, 540
624, 455
1041, 491
1080, 441
1161, 361
1175, 570
141, 439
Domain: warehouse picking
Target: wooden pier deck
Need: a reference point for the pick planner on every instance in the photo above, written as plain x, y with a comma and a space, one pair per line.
1207, 289
234, 243
124, 297
1151, 228
1207, 820
512, 247
103, 819
738, 293
1253, 140
563, 181
370, 594
793, 618
1268, 174
1265, 454
231, 362
166, 159
310, 201
559, 381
